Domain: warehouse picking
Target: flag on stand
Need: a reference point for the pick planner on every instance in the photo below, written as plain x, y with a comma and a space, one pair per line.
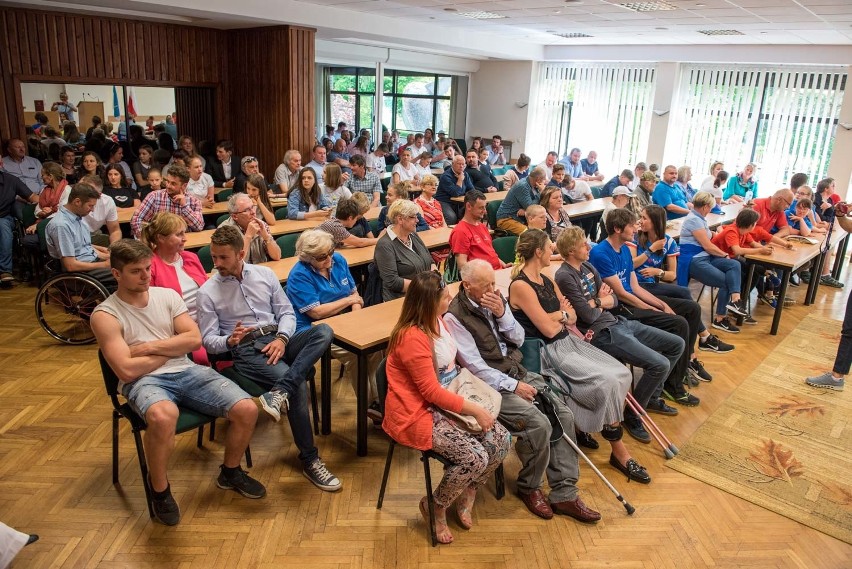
131, 102
116, 110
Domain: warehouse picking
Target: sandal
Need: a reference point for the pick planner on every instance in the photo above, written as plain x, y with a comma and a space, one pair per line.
464, 507
442, 531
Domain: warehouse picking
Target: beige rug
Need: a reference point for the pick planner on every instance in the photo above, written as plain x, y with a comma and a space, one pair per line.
779, 443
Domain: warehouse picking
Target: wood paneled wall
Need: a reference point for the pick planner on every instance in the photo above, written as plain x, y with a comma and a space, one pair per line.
262, 79
272, 72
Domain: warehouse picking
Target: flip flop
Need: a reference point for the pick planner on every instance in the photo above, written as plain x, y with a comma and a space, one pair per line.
424, 511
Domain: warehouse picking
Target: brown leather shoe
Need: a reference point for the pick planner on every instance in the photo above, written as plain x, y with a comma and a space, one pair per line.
576, 509
536, 503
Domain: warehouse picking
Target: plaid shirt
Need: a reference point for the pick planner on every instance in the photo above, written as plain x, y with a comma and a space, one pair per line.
369, 184
158, 201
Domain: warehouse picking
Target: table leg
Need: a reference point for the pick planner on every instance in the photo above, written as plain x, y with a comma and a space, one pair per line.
361, 407
816, 271
776, 319
746, 291
839, 257
325, 379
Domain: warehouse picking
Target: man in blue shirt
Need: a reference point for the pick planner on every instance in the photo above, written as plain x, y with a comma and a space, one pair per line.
571, 161
612, 258
454, 182
242, 309
622, 179
11, 189
511, 216
667, 196
590, 167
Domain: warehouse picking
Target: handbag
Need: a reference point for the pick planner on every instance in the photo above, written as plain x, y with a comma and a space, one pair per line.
476, 391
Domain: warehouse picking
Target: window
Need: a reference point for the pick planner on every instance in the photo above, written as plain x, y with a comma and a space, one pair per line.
351, 94
783, 119
598, 107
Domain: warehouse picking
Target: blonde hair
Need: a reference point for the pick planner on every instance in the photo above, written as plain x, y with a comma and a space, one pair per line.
360, 198
569, 239
163, 224
313, 242
402, 208
703, 199
429, 179
535, 209
400, 189
332, 175
528, 243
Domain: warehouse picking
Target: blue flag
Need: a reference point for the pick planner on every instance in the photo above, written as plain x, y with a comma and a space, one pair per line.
116, 111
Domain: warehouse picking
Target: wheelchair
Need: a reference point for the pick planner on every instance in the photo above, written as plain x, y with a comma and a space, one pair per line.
65, 302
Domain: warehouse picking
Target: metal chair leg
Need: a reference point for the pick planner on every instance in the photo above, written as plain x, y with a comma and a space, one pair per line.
386, 475
115, 418
499, 482
429, 502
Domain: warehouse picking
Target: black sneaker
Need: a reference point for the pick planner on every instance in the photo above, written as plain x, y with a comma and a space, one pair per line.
749, 320
696, 370
634, 426
726, 325
317, 473
714, 344
684, 398
738, 307
239, 480
166, 510
659, 406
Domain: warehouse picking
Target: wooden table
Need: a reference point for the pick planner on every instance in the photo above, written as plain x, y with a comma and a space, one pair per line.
586, 208
489, 196
714, 220
125, 214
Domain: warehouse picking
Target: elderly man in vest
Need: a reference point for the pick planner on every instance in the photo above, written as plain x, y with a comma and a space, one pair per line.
488, 338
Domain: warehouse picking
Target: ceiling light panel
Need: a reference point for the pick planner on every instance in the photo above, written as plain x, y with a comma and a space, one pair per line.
481, 15
648, 6
721, 32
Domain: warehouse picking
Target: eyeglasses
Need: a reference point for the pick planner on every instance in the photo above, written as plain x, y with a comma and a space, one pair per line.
249, 160
247, 210
411, 216
321, 258
442, 284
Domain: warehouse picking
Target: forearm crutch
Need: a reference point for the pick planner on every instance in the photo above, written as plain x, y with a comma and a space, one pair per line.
630, 509
669, 449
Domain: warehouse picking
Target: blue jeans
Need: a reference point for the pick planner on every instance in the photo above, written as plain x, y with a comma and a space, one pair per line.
7, 227
656, 351
671, 290
198, 388
289, 375
724, 274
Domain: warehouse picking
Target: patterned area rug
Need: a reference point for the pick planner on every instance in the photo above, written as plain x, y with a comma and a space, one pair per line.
779, 443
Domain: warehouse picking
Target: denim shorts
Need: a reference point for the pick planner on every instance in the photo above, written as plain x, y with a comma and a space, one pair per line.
198, 388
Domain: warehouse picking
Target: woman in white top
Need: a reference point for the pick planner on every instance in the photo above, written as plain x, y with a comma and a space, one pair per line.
707, 184
405, 170
422, 165
200, 184
333, 188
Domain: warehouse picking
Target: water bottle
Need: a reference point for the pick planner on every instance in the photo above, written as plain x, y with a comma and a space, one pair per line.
749, 195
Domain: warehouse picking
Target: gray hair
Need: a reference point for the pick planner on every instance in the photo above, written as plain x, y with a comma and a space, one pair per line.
473, 267
289, 154
234, 201
538, 173
402, 208
313, 242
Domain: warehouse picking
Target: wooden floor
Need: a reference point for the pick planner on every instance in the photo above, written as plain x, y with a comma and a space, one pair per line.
55, 481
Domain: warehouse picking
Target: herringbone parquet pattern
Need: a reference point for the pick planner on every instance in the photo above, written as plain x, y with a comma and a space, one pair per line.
55, 481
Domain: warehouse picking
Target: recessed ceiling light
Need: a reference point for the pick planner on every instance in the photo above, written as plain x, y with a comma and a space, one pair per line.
575, 2
450, 10
479, 15
660, 28
573, 35
721, 32
557, 11
648, 6
700, 5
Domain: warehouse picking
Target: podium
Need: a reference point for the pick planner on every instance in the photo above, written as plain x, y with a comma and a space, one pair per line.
86, 110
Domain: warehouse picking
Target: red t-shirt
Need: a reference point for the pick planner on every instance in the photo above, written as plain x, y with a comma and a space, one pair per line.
769, 219
730, 236
475, 242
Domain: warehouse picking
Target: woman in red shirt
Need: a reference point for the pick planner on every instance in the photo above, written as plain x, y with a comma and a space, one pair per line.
421, 357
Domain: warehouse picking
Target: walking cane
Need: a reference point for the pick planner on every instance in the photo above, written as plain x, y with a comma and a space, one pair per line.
669, 449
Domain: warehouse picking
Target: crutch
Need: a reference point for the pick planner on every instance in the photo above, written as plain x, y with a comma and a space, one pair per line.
546, 393
669, 449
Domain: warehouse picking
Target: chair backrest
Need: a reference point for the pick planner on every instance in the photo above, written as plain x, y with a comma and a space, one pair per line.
596, 191
505, 248
531, 354
287, 243
110, 380
41, 231
223, 195
382, 382
281, 213
374, 227
491, 212
222, 218
205, 258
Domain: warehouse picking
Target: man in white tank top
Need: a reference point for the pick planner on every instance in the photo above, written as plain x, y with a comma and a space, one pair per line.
145, 333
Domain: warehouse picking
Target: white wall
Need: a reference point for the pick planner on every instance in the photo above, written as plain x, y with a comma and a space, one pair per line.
495, 91
156, 101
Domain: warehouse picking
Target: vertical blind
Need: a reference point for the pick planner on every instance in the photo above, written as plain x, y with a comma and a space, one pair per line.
608, 108
781, 118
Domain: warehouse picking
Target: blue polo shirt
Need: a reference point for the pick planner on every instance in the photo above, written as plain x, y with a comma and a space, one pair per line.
791, 211
307, 289
654, 260
69, 236
610, 262
665, 195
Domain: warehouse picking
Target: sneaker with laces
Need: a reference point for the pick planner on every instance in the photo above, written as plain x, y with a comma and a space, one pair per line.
633, 425
166, 510
238, 480
274, 403
317, 473
726, 325
768, 300
738, 307
714, 344
749, 320
659, 406
827, 381
828, 280
685, 398
696, 370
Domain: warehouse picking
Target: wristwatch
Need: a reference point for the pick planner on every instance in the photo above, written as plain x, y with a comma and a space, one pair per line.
597, 302
662, 273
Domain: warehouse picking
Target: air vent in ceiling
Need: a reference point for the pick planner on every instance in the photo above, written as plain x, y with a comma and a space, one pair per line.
572, 35
721, 32
481, 15
648, 6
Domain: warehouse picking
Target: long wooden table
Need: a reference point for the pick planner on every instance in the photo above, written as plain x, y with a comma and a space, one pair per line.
714, 220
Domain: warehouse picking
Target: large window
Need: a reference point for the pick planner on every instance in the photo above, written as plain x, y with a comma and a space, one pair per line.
599, 107
783, 119
412, 101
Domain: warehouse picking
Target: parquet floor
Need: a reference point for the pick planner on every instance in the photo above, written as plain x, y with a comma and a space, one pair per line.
55, 481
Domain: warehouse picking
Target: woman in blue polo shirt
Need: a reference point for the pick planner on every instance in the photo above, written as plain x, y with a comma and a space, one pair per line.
320, 286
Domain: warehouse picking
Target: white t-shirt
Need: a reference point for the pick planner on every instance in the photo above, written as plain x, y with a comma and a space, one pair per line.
580, 191
707, 186
445, 350
198, 188
104, 211
405, 174
154, 322
376, 164
188, 286
334, 196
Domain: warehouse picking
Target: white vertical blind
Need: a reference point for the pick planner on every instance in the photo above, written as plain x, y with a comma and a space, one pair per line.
610, 114
781, 118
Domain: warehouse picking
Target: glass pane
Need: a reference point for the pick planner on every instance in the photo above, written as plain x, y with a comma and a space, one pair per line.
341, 82
445, 85
342, 109
443, 117
415, 84
387, 113
413, 115
365, 112
388, 83
367, 83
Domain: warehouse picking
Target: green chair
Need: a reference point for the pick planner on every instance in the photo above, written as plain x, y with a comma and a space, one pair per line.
531, 354
596, 191
222, 218
374, 227
281, 213
188, 420
287, 243
223, 195
425, 455
505, 248
205, 258
491, 212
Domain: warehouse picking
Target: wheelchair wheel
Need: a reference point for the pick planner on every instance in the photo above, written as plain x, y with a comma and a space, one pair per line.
64, 305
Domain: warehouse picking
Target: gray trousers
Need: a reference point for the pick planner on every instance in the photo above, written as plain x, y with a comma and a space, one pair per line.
538, 455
